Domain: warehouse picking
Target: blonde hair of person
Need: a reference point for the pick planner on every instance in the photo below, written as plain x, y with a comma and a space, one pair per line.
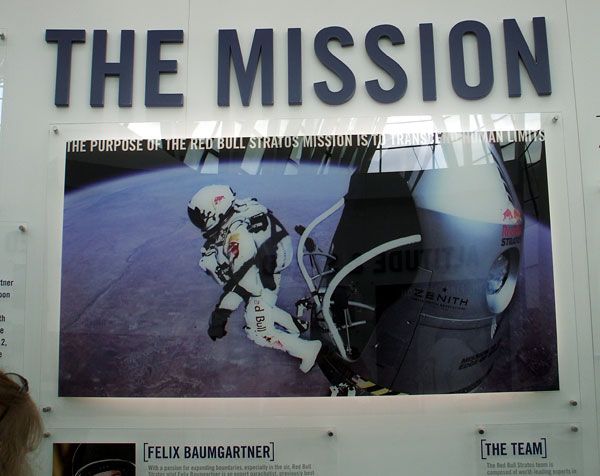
20, 425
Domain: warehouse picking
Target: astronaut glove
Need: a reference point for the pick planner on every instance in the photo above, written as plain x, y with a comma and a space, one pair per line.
217, 322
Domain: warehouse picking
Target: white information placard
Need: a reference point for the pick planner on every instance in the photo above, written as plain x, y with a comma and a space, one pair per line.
13, 266
206, 452
535, 449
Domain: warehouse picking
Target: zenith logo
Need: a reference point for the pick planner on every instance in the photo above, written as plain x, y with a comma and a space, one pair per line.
442, 299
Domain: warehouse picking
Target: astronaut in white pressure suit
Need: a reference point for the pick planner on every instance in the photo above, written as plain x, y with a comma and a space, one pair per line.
245, 251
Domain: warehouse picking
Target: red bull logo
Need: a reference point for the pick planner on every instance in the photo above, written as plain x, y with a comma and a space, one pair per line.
233, 249
512, 232
512, 215
218, 199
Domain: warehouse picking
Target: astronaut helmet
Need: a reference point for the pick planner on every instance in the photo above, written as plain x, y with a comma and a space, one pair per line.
210, 205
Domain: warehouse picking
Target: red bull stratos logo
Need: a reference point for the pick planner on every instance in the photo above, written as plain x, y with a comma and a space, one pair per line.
512, 229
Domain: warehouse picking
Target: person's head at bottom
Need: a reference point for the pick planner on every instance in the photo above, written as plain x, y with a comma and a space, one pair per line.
20, 425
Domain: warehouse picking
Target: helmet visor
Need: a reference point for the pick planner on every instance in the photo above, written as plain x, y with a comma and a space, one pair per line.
201, 218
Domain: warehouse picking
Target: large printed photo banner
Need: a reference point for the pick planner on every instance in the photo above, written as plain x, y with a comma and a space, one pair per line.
307, 266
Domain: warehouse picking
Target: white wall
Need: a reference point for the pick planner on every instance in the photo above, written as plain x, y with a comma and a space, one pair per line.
583, 23
381, 436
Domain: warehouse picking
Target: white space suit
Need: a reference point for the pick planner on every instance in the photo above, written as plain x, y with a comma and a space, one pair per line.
245, 251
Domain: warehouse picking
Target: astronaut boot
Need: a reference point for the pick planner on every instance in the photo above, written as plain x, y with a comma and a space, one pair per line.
305, 350
309, 359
